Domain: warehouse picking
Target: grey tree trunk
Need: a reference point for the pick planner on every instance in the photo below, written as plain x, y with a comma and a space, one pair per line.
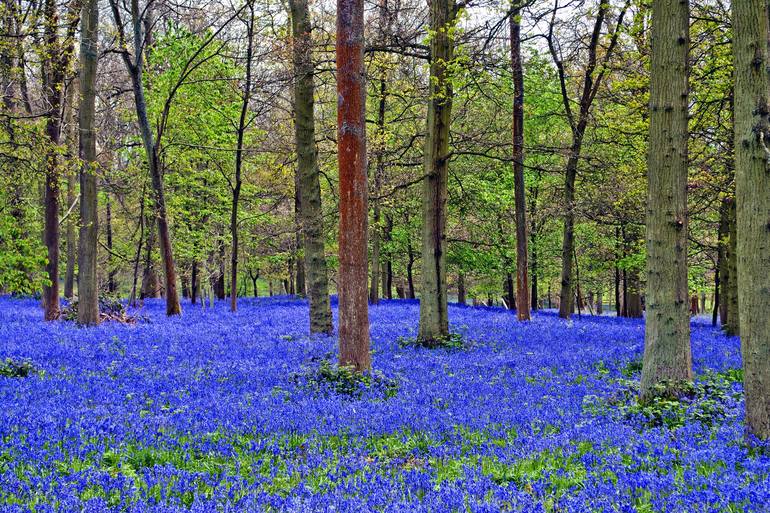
409, 271
111, 271
138, 254
722, 275
71, 243
667, 354
316, 280
150, 282
732, 324
434, 321
461, 297
387, 266
752, 86
88, 287
379, 172
300, 286
592, 79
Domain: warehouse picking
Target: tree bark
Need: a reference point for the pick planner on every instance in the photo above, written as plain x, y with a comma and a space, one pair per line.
351, 154
387, 278
578, 126
316, 280
722, 274
54, 70
194, 282
750, 29
135, 70
88, 287
150, 282
667, 353
434, 320
299, 286
111, 272
379, 171
238, 182
732, 324
72, 178
522, 285
461, 299
409, 271
137, 256
510, 292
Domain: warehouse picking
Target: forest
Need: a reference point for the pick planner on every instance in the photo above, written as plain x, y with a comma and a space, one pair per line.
395, 255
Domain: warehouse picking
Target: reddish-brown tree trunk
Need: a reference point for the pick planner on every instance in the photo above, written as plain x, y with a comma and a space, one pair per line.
522, 285
351, 154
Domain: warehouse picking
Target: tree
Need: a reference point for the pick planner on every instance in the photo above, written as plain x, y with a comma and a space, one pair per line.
88, 287
238, 182
55, 63
434, 319
592, 79
72, 176
522, 282
135, 65
667, 355
311, 214
351, 156
752, 183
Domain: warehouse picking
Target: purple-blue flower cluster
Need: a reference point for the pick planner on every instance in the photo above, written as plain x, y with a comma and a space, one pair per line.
204, 413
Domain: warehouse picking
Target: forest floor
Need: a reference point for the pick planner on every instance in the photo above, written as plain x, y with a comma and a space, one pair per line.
226, 412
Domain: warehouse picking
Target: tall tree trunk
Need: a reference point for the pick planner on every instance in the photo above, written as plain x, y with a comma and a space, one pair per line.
750, 29
88, 287
111, 272
722, 275
54, 71
289, 282
351, 154
72, 178
150, 282
300, 285
137, 256
316, 280
732, 325
510, 292
387, 279
410, 271
534, 261
164, 238
522, 285
667, 353
578, 126
461, 299
434, 320
194, 282
634, 295
135, 68
618, 246
241, 131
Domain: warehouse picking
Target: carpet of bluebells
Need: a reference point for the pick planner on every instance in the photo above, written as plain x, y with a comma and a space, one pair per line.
216, 411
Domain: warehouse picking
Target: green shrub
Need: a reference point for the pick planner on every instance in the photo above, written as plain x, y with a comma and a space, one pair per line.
22, 368
451, 341
708, 400
329, 378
